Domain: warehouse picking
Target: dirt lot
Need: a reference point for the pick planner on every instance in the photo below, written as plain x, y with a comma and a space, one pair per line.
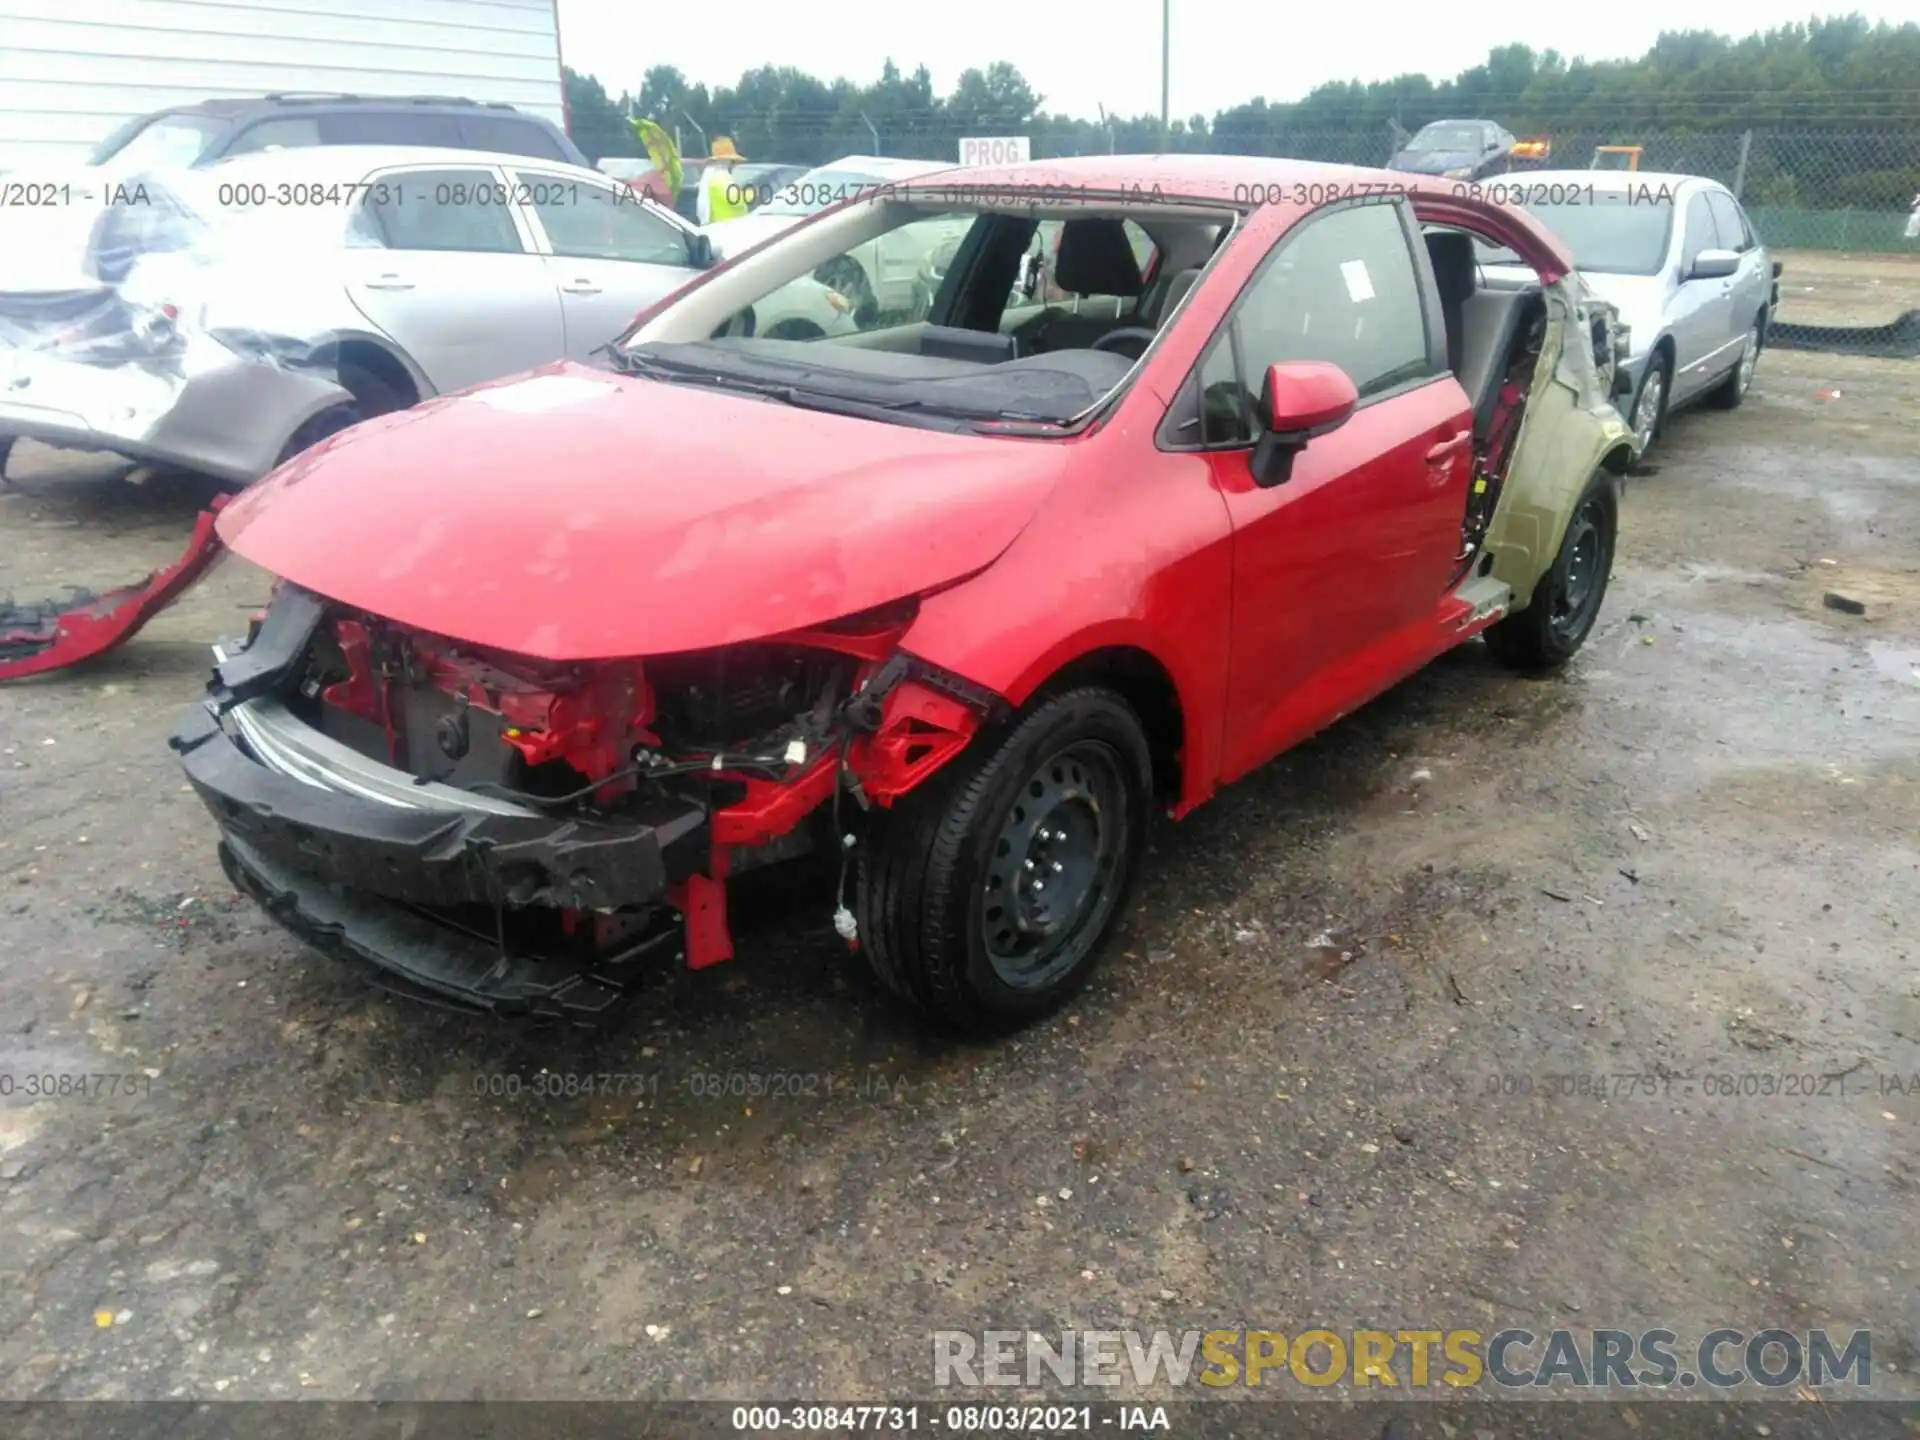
1298, 1093
1825, 287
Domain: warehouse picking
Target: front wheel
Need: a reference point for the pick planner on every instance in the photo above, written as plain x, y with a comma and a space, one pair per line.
1567, 600
1650, 404
986, 898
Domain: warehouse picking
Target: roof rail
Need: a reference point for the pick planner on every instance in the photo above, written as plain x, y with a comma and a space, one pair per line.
302, 96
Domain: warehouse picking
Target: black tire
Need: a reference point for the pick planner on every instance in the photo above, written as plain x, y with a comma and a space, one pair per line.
1659, 374
932, 868
1567, 601
1731, 392
6, 450
372, 394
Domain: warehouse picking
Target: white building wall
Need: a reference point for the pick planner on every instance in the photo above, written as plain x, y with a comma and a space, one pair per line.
71, 71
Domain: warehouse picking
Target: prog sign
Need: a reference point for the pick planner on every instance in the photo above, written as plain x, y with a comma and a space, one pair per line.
996, 150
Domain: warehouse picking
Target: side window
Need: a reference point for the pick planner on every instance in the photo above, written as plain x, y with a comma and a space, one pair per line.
1341, 288
504, 135
291, 133
1223, 405
1727, 222
389, 127
598, 222
444, 210
1702, 234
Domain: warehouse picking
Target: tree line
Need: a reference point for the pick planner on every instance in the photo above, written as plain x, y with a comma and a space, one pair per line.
1826, 77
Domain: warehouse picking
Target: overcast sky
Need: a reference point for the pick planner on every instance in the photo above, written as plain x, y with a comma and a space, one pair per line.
1107, 52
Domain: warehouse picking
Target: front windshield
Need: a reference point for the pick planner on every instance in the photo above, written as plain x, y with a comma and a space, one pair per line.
168, 141
1618, 234
817, 189
1451, 139
920, 313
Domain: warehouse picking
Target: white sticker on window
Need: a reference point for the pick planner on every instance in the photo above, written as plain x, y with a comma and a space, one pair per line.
542, 392
1359, 283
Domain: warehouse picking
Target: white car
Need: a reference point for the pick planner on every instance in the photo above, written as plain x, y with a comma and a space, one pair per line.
1679, 260
278, 296
884, 277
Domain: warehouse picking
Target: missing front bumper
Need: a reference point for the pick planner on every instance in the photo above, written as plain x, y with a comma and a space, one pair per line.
480, 903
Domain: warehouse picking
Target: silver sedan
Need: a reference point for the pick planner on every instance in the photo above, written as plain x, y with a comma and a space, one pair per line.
1679, 259
221, 320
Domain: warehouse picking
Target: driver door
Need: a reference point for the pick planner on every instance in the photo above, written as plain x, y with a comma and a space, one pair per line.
1339, 570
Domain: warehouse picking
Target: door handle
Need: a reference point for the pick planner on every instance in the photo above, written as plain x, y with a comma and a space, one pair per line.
580, 287
389, 282
1447, 449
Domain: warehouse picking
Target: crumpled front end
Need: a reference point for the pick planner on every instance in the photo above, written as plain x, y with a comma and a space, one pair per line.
530, 837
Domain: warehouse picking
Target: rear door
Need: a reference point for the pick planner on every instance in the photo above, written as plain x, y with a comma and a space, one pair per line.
1701, 312
608, 253
442, 263
1753, 282
1342, 566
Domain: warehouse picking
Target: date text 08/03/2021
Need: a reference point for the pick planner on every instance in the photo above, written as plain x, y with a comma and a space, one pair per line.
1036, 1420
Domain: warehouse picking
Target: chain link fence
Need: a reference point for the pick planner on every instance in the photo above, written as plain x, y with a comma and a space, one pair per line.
1806, 190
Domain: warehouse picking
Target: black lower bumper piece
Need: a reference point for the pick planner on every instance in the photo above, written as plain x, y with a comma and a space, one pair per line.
435, 899
433, 856
426, 960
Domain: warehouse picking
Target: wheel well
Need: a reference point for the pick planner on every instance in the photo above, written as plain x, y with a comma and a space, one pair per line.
1145, 685
1619, 459
380, 363
1664, 346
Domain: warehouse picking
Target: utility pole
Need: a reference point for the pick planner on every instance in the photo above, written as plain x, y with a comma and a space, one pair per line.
1166, 51
871, 131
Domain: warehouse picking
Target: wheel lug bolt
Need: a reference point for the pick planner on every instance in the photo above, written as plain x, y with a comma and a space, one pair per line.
1058, 867
1028, 864
1039, 885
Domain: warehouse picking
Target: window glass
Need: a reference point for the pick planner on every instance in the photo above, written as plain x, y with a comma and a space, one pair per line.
1342, 289
389, 127
444, 210
505, 135
598, 222
170, 140
1223, 406
289, 133
1701, 233
1727, 222
1046, 247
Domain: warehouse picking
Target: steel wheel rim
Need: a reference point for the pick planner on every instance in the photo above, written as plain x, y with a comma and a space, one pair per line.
1053, 873
1577, 596
1749, 358
1646, 410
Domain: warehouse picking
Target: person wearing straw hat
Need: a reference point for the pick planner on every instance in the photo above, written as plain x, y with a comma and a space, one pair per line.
721, 197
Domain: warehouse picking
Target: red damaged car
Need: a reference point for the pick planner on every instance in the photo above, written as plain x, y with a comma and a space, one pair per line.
959, 593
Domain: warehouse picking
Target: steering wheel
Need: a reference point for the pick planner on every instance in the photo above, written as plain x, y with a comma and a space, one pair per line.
1131, 332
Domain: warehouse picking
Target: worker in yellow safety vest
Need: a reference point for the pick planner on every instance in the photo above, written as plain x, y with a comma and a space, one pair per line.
721, 196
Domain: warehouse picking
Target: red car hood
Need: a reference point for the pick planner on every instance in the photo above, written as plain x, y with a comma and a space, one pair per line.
574, 514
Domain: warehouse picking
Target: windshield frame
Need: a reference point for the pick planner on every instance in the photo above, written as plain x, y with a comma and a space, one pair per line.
698, 314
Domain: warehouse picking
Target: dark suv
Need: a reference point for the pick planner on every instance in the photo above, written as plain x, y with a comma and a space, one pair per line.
216, 129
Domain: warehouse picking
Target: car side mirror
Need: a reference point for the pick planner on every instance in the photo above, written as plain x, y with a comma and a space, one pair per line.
1300, 401
1714, 264
700, 251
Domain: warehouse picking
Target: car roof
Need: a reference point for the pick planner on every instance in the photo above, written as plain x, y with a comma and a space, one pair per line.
1224, 179
1607, 180
883, 165
288, 100
337, 162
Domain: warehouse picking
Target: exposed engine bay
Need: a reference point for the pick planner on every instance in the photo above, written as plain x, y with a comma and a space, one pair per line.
577, 812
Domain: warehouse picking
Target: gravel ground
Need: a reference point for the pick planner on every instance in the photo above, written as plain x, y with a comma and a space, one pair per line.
1299, 1092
